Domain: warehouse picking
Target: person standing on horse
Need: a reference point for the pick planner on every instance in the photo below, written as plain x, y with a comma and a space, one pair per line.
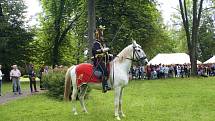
101, 57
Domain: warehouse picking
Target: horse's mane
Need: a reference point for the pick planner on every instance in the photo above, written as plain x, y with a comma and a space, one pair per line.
124, 54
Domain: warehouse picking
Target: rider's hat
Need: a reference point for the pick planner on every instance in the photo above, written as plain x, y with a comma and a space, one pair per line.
101, 27
98, 31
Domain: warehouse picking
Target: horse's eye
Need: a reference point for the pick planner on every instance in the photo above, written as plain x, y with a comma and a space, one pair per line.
138, 50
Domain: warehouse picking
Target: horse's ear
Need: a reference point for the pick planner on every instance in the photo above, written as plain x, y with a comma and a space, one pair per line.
134, 42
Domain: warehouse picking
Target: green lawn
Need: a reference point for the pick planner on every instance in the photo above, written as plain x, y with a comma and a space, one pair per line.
7, 87
149, 100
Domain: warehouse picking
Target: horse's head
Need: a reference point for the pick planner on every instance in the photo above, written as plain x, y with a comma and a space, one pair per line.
139, 54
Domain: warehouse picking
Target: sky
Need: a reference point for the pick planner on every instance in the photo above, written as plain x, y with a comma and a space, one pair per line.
166, 7
33, 9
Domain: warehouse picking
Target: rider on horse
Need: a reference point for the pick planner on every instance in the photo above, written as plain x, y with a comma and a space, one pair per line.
101, 57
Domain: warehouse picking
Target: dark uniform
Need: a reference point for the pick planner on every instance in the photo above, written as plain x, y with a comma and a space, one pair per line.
100, 60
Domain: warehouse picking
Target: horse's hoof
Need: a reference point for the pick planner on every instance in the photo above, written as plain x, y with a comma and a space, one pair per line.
85, 112
123, 115
118, 118
75, 113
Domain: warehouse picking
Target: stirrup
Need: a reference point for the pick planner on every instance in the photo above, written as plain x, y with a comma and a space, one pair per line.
104, 90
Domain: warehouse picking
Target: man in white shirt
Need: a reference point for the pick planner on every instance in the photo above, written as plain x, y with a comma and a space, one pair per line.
1, 75
15, 76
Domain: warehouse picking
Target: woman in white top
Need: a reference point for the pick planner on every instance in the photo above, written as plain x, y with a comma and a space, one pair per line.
1, 75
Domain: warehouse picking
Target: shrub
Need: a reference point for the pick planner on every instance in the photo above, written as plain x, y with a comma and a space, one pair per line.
53, 81
25, 76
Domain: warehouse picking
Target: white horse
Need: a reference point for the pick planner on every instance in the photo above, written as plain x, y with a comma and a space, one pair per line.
121, 64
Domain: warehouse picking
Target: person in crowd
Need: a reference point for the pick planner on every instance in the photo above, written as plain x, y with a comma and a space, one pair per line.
175, 70
15, 77
154, 73
178, 68
171, 71
1, 75
148, 72
133, 72
162, 71
182, 71
141, 72
32, 77
41, 71
186, 71
213, 69
46, 69
166, 71
157, 69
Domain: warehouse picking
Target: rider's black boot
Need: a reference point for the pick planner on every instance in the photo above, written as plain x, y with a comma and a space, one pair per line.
105, 86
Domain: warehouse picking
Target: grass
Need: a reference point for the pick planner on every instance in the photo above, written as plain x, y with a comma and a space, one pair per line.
7, 87
26, 79
191, 99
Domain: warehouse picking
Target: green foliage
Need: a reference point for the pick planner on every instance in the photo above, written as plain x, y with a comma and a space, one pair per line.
139, 20
14, 37
56, 42
205, 43
206, 38
54, 82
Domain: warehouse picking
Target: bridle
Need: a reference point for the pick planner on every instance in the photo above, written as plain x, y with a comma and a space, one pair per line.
135, 54
132, 59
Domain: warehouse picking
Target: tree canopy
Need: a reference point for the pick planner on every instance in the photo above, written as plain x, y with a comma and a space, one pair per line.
62, 35
14, 37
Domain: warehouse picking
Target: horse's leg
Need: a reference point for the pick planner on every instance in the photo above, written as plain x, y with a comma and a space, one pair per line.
120, 103
83, 91
74, 95
116, 102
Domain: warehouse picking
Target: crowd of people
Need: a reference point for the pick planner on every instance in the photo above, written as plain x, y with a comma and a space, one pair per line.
15, 75
137, 72
167, 71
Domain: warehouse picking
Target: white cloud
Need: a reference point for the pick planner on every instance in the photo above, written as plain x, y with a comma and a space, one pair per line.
33, 9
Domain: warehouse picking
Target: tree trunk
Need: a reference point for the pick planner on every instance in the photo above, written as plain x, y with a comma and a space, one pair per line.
191, 41
1, 11
91, 25
55, 55
193, 56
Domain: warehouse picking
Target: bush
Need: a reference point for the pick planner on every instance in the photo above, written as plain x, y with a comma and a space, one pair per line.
53, 81
25, 76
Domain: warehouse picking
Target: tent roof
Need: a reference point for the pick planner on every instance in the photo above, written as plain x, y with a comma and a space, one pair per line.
171, 58
211, 60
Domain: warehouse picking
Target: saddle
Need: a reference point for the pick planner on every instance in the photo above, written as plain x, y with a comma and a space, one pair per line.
86, 74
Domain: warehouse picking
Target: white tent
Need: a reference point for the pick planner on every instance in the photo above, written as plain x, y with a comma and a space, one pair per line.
172, 58
211, 60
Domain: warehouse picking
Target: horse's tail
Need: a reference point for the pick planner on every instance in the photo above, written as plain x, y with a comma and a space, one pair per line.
67, 88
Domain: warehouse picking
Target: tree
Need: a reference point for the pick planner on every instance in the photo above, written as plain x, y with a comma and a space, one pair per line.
206, 40
91, 24
14, 37
192, 32
127, 20
59, 18
141, 21
1, 11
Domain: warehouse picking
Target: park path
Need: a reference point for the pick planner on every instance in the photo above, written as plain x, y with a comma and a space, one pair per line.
9, 96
